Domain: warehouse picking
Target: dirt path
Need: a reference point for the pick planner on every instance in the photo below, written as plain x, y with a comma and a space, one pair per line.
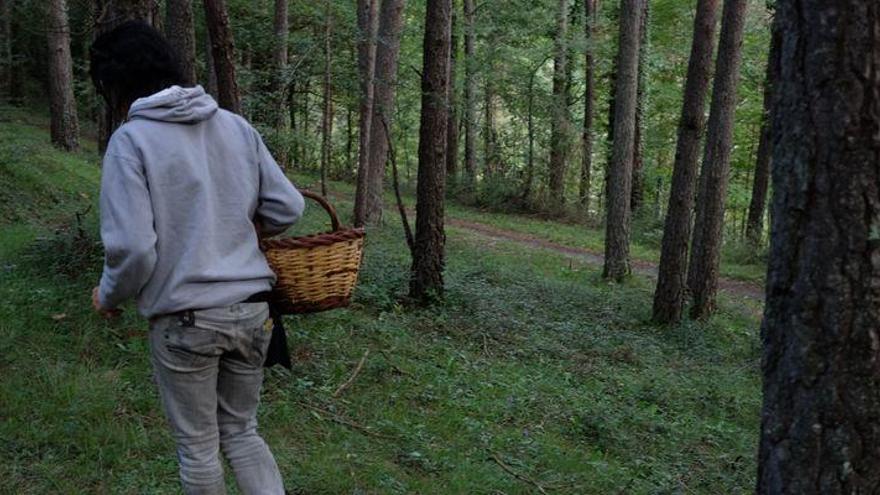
736, 288
748, 290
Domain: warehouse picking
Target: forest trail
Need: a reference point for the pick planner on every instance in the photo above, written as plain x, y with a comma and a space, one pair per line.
737, 288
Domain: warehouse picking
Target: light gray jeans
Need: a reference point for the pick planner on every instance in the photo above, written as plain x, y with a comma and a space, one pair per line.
209, 369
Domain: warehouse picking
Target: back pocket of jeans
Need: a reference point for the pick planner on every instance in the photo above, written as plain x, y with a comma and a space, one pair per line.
191, 343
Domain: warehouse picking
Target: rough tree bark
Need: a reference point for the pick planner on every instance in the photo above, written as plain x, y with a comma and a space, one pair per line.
617, 230
387, 53
211, 72
755, 223
428, 256
367, 21
181, 33
327, 108
559, 125
282, 115
470, 93
712, 192
819, 430
591, 11
223, 51
64, 125
669, 296
452, 125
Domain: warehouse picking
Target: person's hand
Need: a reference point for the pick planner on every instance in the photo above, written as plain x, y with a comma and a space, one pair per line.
96, 304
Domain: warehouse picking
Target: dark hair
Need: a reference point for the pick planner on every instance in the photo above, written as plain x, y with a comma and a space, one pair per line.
132, 61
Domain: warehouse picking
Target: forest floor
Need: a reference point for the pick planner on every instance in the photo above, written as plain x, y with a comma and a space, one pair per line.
532, 376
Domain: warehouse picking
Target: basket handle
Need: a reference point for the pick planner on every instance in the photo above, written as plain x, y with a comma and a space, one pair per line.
321, 200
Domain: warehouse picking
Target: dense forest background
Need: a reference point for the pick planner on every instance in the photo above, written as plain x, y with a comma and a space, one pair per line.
512, 69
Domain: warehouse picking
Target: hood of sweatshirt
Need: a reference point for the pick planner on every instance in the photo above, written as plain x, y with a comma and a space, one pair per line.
175, 104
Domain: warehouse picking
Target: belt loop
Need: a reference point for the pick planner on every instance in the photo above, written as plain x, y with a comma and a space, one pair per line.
188, 318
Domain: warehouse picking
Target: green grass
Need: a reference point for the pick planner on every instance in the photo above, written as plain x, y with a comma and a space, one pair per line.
531, 360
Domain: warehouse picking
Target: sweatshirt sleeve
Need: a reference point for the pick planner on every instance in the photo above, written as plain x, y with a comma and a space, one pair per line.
126, 230
280, 205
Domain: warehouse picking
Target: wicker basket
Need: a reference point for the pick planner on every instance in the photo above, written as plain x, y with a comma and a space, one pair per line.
316, 272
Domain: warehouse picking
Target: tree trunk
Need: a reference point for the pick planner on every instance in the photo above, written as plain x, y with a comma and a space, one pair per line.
223, 51
617, 229
387, 52
367, 21
452, 125
327, 111
559, 125
490, 157
669, 296
6, 80
755, 223
62, 104
426, 281
819, 431
591, 15
180, 31
637, 196
211, 71
282, 116
470, 96
712, 193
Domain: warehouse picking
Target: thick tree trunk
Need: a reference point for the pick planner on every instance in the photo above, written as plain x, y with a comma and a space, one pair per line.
282, 116
591, 8
452, 125
327, 109
62, 104
387, 52
180, 31
223, 51
712, 193
819, 431
617, 231
669, 296
637, 196
559, 125
367, 21
755, 223
470, 93
428, 256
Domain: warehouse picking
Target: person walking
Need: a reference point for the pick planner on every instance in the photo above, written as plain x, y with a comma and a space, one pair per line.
186, 190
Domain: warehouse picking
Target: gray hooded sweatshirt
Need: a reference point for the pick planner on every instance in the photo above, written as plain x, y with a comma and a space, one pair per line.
182, 183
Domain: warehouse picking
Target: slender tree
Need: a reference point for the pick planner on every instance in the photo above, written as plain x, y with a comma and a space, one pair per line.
559, 126
387, 53
669, 296
428, 256
327, 109
637, 195
708, 226
181, 33
591, 8
819, 431
62, 104
282, 116
452, 125
367, 21
470, 90
755, 223
223, 52
617, 231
